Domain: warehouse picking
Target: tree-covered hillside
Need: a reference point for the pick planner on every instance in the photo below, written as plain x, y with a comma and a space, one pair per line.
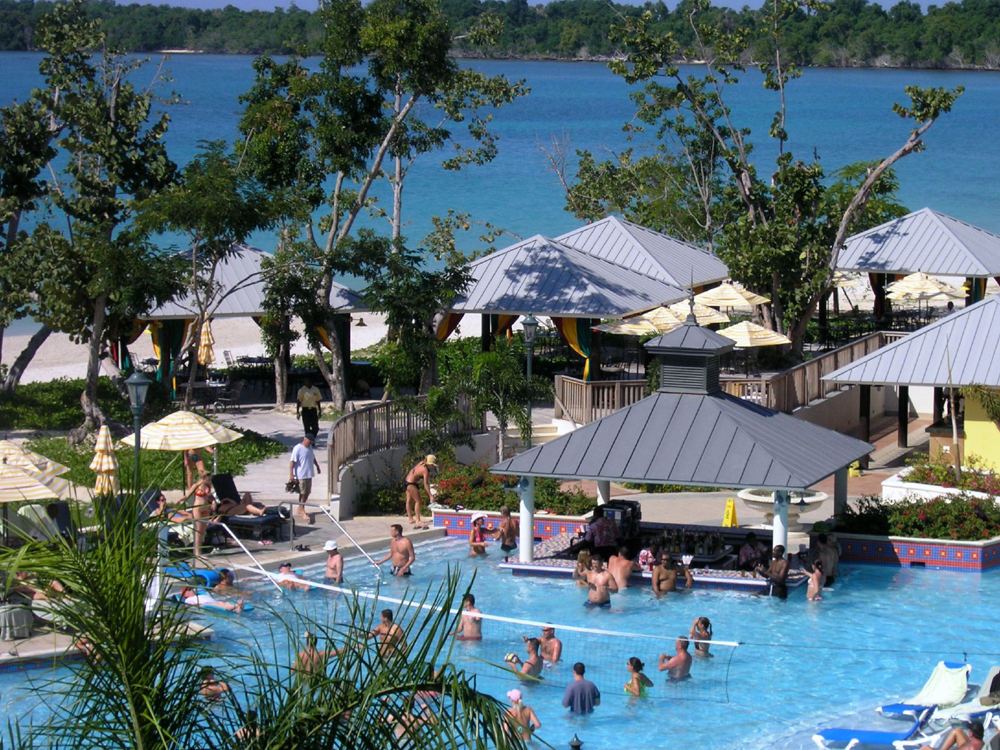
851, 33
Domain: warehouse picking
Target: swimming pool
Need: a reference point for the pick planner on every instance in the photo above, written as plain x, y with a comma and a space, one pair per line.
875, 638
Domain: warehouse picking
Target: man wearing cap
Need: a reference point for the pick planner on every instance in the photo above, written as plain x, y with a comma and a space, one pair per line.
290, 580
334, 563
304, 467
307, 405
419, 474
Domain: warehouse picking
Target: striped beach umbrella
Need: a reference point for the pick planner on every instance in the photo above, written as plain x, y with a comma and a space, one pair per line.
18, 484
922, 288
13, 454
183, 430
105, 464
704, 314
206, 344
747, 335
629, 327
729, 295
664, 319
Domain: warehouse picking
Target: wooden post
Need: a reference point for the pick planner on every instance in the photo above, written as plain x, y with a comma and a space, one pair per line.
557, 411
588, 404
938, 405
486, 333
877, 281
839, 492
903, 417
865, 410
824, 319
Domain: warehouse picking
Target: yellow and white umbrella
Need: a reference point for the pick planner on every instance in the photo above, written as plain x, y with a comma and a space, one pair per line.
629, 327
664, 319
105, 464
13, 454
206, 344
748, 335
704, 314
183, 430
844, 280
729, 295
18, 484
922, 288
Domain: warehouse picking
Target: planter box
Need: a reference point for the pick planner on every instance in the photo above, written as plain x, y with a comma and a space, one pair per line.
459, 522
894, 489
939, 554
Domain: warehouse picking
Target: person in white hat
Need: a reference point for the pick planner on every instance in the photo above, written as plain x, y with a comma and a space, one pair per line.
477, 537
334, 563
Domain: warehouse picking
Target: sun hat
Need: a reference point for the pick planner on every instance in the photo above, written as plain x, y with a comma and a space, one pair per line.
478, 516
514, 695
431, 460
330, 546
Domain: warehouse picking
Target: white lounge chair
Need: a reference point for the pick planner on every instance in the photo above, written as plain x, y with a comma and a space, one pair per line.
974, 708
947, 686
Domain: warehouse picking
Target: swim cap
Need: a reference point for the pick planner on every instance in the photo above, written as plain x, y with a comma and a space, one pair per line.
514, 695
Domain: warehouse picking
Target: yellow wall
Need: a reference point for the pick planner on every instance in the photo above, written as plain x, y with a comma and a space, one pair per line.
982, 436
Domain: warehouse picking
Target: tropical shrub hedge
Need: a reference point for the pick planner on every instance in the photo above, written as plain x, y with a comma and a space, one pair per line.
475, 488
960, 518
938, 471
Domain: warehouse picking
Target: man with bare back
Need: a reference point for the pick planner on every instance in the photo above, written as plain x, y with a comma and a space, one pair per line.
620, 566
391, 637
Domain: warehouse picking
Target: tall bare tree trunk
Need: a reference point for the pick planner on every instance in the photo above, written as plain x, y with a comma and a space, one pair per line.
281, 375
195, 335
92, 414
23, 359
334, 375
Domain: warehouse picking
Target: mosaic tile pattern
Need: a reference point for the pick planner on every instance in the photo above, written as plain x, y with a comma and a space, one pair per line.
935, 554
459, 522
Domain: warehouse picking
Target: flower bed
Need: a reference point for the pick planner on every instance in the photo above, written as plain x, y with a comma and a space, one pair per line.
960, 518
938, 472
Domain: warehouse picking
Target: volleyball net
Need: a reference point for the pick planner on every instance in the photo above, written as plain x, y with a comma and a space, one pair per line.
703, 675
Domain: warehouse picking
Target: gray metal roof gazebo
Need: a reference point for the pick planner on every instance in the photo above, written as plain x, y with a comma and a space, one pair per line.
692, 433
647, 252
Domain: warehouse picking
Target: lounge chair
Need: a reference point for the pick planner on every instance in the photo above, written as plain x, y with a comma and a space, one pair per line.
974, 708
947, 686
268, 526
881, 738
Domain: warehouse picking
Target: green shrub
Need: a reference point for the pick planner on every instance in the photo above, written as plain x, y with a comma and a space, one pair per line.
958, 518
163, 469
939, 471
382, 501
55, 405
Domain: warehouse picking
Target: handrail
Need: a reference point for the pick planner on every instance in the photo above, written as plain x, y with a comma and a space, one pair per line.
248, 554
346, 533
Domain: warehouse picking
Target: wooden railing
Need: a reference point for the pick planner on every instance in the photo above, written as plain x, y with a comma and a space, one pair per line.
585, 402
379, 427
786, 391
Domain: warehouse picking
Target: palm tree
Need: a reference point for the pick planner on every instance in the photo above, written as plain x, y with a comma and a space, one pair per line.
497, 384
138, 685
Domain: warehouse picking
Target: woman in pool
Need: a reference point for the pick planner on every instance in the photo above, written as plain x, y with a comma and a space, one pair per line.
701, 633
521, 717
477, 537
582, 569
637, 682
817, 579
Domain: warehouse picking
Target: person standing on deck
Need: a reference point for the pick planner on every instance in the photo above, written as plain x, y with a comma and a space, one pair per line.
303, 467
419, 474
307, 406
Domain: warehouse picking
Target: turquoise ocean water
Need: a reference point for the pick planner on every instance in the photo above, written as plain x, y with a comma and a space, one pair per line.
845, 115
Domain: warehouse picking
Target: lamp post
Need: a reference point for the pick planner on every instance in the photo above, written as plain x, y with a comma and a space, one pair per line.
138, 386
526, 546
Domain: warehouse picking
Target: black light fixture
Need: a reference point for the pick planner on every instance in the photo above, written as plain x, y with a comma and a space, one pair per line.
530, 326
138, 388
361, 323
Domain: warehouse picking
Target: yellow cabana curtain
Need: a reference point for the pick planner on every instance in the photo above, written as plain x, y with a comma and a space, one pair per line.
576, 333
448, 325
504, 324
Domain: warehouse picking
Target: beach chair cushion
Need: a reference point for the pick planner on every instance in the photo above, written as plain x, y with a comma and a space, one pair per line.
256, 527
947, 686
854, 737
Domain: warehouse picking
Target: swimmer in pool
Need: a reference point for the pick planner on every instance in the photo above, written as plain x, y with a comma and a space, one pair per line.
637, 681
678, 666
532, 666
701, 633
470, 628
602, 584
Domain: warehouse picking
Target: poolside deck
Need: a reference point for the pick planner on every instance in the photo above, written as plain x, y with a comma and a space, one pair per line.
49, 647
547, 566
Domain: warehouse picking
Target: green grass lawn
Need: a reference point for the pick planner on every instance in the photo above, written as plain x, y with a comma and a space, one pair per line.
163, 469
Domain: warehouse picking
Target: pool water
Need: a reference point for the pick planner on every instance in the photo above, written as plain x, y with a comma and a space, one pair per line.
873, 639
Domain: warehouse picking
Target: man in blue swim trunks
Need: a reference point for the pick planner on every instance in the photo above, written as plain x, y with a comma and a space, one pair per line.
602, 584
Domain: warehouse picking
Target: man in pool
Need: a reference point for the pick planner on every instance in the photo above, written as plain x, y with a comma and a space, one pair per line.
829, 553
334, 563
777, 574
401, 552
581, 696
621, 566
602, 584
390, 635
212, 689
530, 667
289, 580
311, 660
678, 666
665, 575
470, 628
507, 532
551, 647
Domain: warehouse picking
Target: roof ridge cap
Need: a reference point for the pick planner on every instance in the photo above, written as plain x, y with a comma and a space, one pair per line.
939, 220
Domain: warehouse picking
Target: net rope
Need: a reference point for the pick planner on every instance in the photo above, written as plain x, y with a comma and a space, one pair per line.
604, 652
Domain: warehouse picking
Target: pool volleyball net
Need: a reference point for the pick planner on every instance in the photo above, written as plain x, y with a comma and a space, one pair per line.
604, 652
